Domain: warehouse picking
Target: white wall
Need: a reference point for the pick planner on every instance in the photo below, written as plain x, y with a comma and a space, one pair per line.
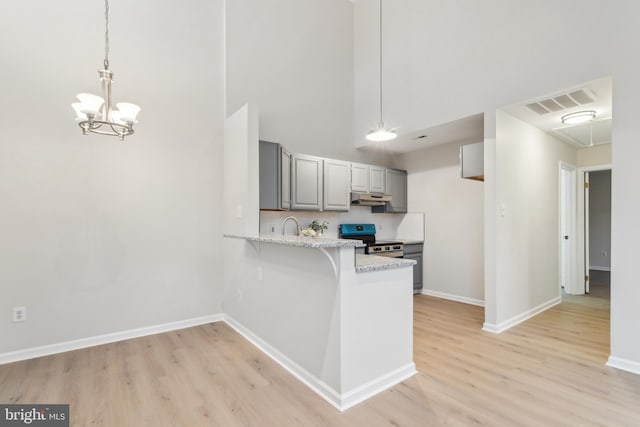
600, 220
293, 59
597, 155
100, 236
527, 227
453, 207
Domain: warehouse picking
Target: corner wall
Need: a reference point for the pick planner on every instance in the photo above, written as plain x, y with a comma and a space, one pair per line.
101, 236
453, 261
527, 224
293, 59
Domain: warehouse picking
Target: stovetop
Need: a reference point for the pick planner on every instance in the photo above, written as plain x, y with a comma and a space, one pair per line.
364, 232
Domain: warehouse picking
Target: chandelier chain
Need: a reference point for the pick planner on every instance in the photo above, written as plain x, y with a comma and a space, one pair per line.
106, 34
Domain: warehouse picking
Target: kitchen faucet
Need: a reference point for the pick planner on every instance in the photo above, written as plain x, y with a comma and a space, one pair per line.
284, 223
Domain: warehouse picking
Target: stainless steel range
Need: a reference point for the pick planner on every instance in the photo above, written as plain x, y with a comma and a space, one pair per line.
367, 233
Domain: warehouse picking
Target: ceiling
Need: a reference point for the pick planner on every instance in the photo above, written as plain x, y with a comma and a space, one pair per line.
595, 95
544, 112
466, 130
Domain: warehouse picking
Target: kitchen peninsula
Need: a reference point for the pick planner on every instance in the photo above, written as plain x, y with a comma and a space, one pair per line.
327, 315
341, 324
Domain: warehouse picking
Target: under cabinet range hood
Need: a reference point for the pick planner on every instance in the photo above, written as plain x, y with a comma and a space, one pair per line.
369, 199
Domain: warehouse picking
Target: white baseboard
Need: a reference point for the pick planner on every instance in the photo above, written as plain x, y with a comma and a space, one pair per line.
46, 350
515, 320
341, 402
380, 384
452, 297
598, 268
624, 364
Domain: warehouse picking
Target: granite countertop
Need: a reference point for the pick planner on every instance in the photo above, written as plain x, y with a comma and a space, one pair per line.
305, 242
366, 263
405, 241
410, 242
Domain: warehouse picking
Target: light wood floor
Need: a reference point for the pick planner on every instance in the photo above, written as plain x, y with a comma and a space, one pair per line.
548, 371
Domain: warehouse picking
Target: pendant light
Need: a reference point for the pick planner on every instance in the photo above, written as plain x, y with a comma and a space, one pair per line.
381, 133
96, 114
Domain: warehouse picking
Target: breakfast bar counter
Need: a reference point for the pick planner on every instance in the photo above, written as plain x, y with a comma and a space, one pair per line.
325, 313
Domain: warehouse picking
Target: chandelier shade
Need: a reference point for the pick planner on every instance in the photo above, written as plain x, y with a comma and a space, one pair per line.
96, 114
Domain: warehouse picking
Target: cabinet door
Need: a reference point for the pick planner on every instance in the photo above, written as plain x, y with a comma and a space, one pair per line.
417, 270
397, 188
336, 185
472, 161
306, 182
359, 178
286, 179
377, 179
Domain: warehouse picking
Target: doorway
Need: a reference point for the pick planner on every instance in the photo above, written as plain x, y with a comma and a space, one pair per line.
596, 209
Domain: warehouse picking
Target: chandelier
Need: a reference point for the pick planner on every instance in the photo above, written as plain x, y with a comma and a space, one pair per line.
96, 114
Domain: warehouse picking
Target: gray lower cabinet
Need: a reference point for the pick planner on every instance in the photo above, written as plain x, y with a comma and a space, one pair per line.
306, 182
275, 176
414, 251
336, 179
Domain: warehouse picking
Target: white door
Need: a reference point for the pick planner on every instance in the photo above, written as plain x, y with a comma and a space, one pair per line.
568, 279
586, 232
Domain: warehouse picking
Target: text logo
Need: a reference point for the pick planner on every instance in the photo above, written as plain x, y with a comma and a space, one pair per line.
34, 415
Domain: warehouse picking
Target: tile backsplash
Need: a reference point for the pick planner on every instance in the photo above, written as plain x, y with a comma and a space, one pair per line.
386, 224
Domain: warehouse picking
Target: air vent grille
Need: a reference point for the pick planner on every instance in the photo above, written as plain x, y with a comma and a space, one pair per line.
562, 102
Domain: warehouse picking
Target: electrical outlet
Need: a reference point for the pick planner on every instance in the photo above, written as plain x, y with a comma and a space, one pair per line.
272, 228
19, 314
604, 253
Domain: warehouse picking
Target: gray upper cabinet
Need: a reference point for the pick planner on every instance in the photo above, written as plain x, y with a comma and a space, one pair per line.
336, 185
377, 180
472, 161
397, 189
285, 161
275, 176
359, 178
368, 178
306, 182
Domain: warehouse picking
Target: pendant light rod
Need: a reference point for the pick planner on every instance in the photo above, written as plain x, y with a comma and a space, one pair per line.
381, 134
381, 122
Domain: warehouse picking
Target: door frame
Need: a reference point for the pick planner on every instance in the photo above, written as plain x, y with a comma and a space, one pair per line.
582, 216
572, 283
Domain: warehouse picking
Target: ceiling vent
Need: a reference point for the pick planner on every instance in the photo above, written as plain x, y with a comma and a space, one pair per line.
562, 102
